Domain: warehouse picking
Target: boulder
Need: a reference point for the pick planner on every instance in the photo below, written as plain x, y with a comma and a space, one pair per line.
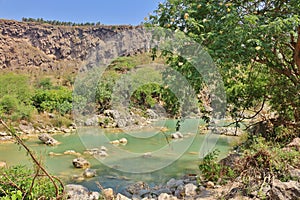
47, 139
108, 194
136, 187
285, 190
210, 184
80, 163
89, 173
28, 128
173, 183
75, 192
103, 148
123, 141
190, 190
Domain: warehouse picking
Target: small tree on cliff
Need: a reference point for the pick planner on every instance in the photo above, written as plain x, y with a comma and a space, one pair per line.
256, 45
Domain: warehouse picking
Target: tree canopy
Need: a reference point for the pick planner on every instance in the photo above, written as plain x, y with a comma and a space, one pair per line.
256, 45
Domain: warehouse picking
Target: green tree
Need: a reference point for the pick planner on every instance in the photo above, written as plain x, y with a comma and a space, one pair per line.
256, 45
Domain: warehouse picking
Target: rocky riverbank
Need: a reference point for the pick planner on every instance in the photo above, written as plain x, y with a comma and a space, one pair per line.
190, 187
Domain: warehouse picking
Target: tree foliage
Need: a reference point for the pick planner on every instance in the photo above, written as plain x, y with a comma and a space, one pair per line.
256, 45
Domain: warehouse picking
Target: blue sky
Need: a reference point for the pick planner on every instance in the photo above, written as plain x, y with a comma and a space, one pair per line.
106, 11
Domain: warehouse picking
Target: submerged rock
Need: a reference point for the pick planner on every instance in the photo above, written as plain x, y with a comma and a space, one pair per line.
47, 139
72, 152
80, 163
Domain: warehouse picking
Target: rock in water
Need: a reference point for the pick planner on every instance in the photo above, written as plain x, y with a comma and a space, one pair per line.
89, 173
176, 135
47, 139
123, 141
80, 163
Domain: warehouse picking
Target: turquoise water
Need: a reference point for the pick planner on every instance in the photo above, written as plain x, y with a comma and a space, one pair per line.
125, 163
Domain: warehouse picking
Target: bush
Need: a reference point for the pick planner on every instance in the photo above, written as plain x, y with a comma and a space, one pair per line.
213, 171
14, 109
264, 161
16, 182
59, 100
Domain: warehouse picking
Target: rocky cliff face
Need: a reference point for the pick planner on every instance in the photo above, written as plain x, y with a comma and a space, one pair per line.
26, 45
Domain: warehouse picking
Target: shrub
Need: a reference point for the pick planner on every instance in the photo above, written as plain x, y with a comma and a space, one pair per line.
16, 183
264, 161
14, 109
213, 171
59, 100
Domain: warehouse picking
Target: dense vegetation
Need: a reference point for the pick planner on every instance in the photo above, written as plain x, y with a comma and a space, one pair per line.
256, 46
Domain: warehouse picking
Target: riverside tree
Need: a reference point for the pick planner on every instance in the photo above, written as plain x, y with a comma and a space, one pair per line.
256, 45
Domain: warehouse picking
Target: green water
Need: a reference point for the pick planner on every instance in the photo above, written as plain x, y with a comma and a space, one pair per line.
125, 163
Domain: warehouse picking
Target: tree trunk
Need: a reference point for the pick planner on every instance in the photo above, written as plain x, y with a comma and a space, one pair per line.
297, 51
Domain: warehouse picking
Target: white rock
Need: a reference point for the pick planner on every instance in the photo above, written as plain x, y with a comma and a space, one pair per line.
103, 148
89, 173
115, 142
108, 193
123, 141
121, 197
190, 189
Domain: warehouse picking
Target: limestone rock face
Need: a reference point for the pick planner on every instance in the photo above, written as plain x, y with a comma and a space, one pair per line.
25, 45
